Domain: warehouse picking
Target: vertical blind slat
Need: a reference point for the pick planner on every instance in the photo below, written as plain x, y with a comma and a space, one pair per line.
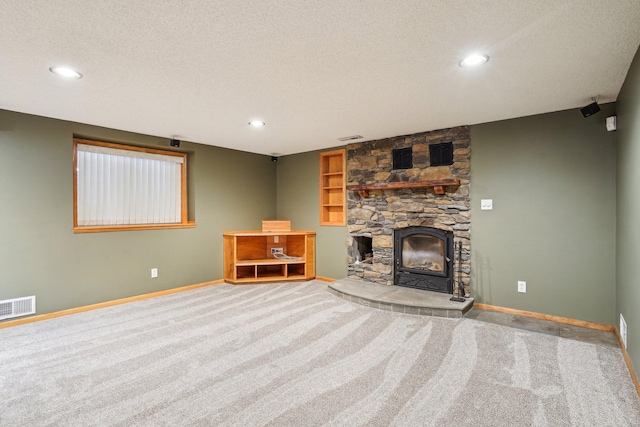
121, 190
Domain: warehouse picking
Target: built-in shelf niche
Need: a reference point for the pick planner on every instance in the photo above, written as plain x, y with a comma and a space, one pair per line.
332, 188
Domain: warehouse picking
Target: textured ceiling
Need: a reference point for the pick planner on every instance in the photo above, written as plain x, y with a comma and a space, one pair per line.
314, 71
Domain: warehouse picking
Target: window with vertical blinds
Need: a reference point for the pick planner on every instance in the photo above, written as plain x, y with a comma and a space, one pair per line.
124, 187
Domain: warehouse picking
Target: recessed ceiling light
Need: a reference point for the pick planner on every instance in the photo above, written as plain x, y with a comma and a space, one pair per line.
257, 123
473, 60
65, 72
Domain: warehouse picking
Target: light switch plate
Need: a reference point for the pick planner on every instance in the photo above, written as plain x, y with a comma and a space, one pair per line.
486, 204
522, 286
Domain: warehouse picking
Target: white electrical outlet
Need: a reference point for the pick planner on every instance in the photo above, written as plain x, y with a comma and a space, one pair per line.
154, 273
486, 204
275, 251
522, 286
276, 239
623, 330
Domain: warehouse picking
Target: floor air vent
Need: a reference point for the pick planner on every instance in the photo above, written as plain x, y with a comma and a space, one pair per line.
17, 307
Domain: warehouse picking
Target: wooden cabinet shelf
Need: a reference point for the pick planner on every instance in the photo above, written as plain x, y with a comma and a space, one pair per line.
332, 188
248, 259
269, 262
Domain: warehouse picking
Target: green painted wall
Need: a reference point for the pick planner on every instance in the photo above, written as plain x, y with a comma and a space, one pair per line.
299, 201
552, 181
40, 255
628, 226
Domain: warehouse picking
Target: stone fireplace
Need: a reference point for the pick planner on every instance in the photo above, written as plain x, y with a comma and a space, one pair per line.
403, 184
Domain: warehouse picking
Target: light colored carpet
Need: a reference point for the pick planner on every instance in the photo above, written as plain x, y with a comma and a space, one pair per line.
296, 355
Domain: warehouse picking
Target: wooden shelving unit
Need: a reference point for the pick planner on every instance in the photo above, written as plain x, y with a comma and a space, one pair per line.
248, 258
332, 188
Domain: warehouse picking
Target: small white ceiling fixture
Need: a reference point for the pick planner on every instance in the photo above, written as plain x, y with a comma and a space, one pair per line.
473, 60
257, 123
65, 72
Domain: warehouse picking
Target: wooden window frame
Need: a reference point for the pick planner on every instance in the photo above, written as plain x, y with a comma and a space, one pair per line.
184, 222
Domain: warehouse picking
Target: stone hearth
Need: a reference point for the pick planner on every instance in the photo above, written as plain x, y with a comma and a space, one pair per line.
399, 299
375, 214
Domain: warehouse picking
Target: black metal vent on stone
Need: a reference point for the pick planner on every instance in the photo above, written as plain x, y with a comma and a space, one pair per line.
402, 158
441, 154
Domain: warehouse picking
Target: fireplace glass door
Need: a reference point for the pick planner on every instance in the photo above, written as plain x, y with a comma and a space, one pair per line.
423, 252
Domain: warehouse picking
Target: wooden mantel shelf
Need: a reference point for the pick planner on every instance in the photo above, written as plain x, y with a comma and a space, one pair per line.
438, 186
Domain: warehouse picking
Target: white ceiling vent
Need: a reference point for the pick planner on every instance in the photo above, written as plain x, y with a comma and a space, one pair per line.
17, 307
350, 138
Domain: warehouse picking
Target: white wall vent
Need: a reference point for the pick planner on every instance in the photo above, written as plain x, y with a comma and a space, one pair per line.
623, 330
17, 307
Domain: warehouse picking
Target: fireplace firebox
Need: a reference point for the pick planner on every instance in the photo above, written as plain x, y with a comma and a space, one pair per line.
423, 258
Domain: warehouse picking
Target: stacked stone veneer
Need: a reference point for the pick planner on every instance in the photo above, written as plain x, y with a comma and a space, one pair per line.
383, 211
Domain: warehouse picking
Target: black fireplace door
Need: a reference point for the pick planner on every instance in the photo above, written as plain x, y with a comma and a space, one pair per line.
423, 258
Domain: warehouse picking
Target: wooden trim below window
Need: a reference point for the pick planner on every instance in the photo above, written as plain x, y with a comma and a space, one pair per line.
108, 228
